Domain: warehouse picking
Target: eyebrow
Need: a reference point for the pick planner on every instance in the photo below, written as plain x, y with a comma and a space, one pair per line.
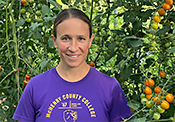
67, 35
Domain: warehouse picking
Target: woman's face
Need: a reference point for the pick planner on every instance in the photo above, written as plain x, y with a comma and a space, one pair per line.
73, 42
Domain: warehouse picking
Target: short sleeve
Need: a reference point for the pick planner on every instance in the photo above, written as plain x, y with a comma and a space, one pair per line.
119, 108
25, 109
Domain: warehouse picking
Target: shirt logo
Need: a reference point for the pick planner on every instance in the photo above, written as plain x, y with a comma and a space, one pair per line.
69, 116
65, 103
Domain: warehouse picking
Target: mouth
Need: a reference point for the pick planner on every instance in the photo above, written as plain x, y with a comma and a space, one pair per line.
73, 56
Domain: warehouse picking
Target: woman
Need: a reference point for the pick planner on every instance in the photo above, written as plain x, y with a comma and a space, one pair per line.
72, 91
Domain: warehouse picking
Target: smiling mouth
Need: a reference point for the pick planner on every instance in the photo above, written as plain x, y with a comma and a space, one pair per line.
73, 56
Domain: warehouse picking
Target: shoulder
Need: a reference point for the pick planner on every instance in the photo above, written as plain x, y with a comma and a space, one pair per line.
103, 79
43, 77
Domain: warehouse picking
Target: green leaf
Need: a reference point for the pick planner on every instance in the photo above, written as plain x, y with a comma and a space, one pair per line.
135, 43
50, 43
129, 37
77, 1
43, 63
126, 72
146, 14
37, 35
20, 22
134, 104
49, 18
1, 22
34, 26
149, 61
143, 119
164, 30
122, 64
45, 10
137, 25
55, 4
172, 50
65, 2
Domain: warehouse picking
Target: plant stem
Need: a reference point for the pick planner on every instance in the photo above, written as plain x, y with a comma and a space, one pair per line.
15, 46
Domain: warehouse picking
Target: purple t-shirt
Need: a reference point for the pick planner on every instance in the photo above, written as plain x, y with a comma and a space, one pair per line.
95, 98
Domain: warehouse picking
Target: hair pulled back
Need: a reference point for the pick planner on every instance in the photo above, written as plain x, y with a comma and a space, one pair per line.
71, 13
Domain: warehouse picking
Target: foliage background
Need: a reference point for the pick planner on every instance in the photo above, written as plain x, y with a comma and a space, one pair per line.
125, 47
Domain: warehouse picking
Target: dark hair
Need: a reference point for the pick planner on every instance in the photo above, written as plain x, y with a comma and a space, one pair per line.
71, 13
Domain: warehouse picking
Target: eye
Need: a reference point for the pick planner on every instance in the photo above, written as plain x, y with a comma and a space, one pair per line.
65, 38
81, 39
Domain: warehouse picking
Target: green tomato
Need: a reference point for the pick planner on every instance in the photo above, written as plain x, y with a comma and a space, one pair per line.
30, 10
41, 24
142, 95
153, 43
23, 11
173, 43
39, 6
117, 43
170, 37
39, 20
149, 103
156, 116
38, 13
160, 109
144, 100
31, 1
167, 45
97, 38
28, 19
151, 111
95, 29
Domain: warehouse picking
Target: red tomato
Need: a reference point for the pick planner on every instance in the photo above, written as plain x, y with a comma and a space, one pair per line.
23, 1
26, 82
27, 76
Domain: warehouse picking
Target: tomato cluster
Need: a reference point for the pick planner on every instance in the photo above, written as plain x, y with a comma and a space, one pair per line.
155, 98
27, 78
161, 12
31, 11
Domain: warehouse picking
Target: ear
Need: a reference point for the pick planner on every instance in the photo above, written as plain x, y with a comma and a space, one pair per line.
91, 39
54, 41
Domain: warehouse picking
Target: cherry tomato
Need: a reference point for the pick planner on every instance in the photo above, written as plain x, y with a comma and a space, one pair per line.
165, 104
39, 6
23, 1
23, 11
142, 95
169, 98
92, 64
38, 13
0, 67
95, 29
28, 20
156, 116
149, 104
26, 82
151, 111
31, 1
160, 109
27, 76
147, 90
144, 100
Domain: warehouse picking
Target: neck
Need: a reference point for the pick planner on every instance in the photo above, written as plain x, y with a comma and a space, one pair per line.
73, 74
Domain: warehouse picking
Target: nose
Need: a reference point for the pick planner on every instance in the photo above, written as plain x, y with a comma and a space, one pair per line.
73, 47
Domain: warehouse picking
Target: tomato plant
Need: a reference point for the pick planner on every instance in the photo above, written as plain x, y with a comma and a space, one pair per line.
127, 40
